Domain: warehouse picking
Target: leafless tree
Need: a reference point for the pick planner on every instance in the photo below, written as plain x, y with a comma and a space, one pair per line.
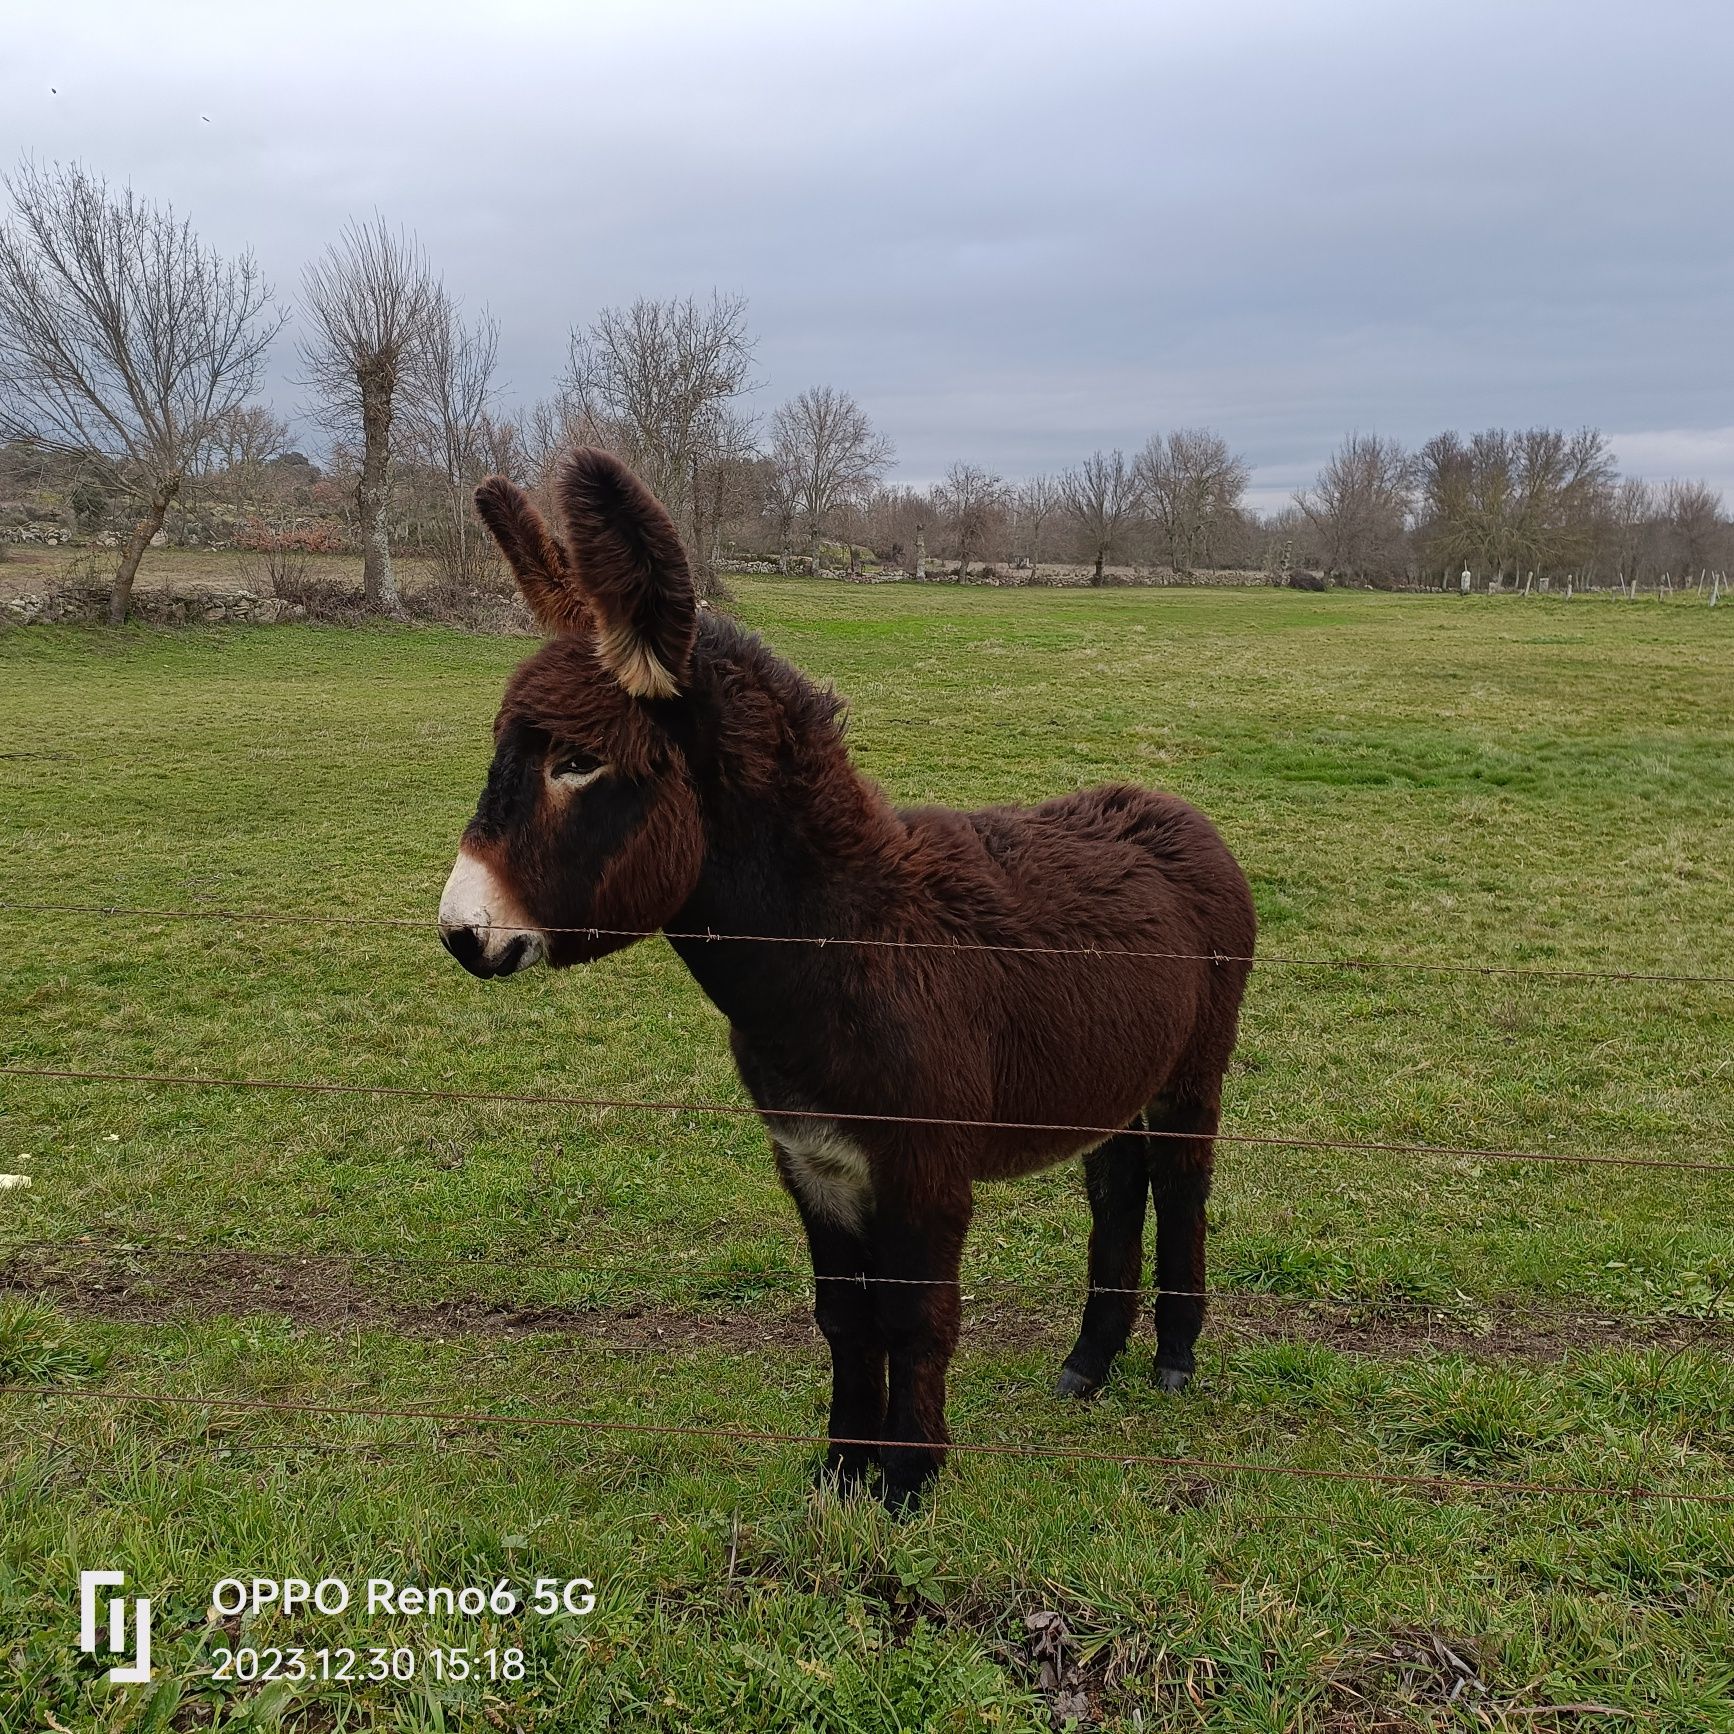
243, 444
725, 481
1359, 505
968, 500
1559, 488
1037, 501
1101, 497
656, 382
367, 299
1696, 529
779, 504
448, 389
1528, 501
828, 456
124, 341
1629, 527
1190, 484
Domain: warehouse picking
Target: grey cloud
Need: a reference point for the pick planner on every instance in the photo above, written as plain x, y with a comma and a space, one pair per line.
1015, 231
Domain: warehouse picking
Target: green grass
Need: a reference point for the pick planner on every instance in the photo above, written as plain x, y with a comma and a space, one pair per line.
1411, 779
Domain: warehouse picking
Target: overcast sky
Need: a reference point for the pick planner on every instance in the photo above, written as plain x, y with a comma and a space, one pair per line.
1015, 231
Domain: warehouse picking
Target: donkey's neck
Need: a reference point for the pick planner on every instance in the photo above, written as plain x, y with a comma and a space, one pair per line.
798, 846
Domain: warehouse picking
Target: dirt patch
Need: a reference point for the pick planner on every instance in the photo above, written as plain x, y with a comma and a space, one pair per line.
327, 1294
324, 1292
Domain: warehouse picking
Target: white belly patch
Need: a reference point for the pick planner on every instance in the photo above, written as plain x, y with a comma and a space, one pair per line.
828, 1170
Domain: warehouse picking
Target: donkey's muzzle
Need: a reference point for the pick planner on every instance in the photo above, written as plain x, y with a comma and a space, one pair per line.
470, 947
481, 926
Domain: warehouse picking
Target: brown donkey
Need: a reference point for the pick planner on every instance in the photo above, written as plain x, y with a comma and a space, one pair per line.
658, 769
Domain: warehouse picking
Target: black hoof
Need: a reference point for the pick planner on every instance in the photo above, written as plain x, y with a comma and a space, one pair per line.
903, 1498
1072, 1383
1173, 1378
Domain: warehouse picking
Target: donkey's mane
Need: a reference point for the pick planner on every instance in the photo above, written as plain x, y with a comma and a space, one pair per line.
767, 729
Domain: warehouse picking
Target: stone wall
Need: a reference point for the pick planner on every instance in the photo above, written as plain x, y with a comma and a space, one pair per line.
168, 605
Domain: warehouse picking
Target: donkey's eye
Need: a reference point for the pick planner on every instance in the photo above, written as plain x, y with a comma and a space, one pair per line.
577, 768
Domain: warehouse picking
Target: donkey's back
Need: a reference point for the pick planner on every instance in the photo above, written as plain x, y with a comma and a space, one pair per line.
1106, 935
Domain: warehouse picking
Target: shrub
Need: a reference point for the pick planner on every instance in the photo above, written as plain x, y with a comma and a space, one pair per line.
329, 601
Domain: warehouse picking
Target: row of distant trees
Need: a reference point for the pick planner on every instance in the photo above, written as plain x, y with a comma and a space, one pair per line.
131, 357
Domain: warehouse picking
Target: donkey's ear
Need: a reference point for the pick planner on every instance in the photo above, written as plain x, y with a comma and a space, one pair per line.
538, 561
628, 560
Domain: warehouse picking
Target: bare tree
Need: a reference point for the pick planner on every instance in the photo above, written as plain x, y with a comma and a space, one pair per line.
1359, 505
368, 299
1532, 500
1696, 529
779, 505
1037, 501
124, 341
1190, 483
968, 498
1559, 488
1101, 498
1629, 527
724, 484
448, 380
655, 382
243, 444
827, 456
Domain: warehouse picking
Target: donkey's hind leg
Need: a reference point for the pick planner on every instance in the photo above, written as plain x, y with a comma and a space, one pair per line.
1116, 1178
1180, 1167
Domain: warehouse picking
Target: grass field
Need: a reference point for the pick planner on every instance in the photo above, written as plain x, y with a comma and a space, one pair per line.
1419, 780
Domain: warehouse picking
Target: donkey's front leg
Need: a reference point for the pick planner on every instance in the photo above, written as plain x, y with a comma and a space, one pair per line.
843, 1310
917, 1247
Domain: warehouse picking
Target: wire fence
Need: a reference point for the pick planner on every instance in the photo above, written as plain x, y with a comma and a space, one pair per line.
1636, 1491
424, 923
477, 1421
636, 1104
1448, 1307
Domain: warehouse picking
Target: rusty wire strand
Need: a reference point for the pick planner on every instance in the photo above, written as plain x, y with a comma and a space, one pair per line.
314, 919
631, 1104
763, 1436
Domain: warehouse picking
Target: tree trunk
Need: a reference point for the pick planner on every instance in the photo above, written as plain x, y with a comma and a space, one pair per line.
1096, 576
813, 551
373, 498
120, 593
698, 552
920, 555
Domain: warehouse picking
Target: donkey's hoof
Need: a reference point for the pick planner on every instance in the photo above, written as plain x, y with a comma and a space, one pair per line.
1072, 1383
903, 1498
1173, 1378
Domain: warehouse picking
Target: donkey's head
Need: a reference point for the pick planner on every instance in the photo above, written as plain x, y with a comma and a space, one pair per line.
588, 819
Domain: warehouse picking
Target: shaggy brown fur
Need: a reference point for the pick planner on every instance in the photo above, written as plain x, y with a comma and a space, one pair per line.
727, 803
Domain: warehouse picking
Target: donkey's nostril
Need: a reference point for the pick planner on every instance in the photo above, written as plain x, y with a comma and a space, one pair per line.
465, 944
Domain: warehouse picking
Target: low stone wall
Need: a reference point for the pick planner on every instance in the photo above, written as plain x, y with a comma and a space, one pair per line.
167, 605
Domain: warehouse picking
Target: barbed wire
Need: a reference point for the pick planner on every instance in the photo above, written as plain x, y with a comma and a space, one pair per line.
764, 1436
1251, 1298
631, 1104
424, 923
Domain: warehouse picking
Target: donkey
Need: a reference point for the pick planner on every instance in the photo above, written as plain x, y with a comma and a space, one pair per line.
1007, 980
